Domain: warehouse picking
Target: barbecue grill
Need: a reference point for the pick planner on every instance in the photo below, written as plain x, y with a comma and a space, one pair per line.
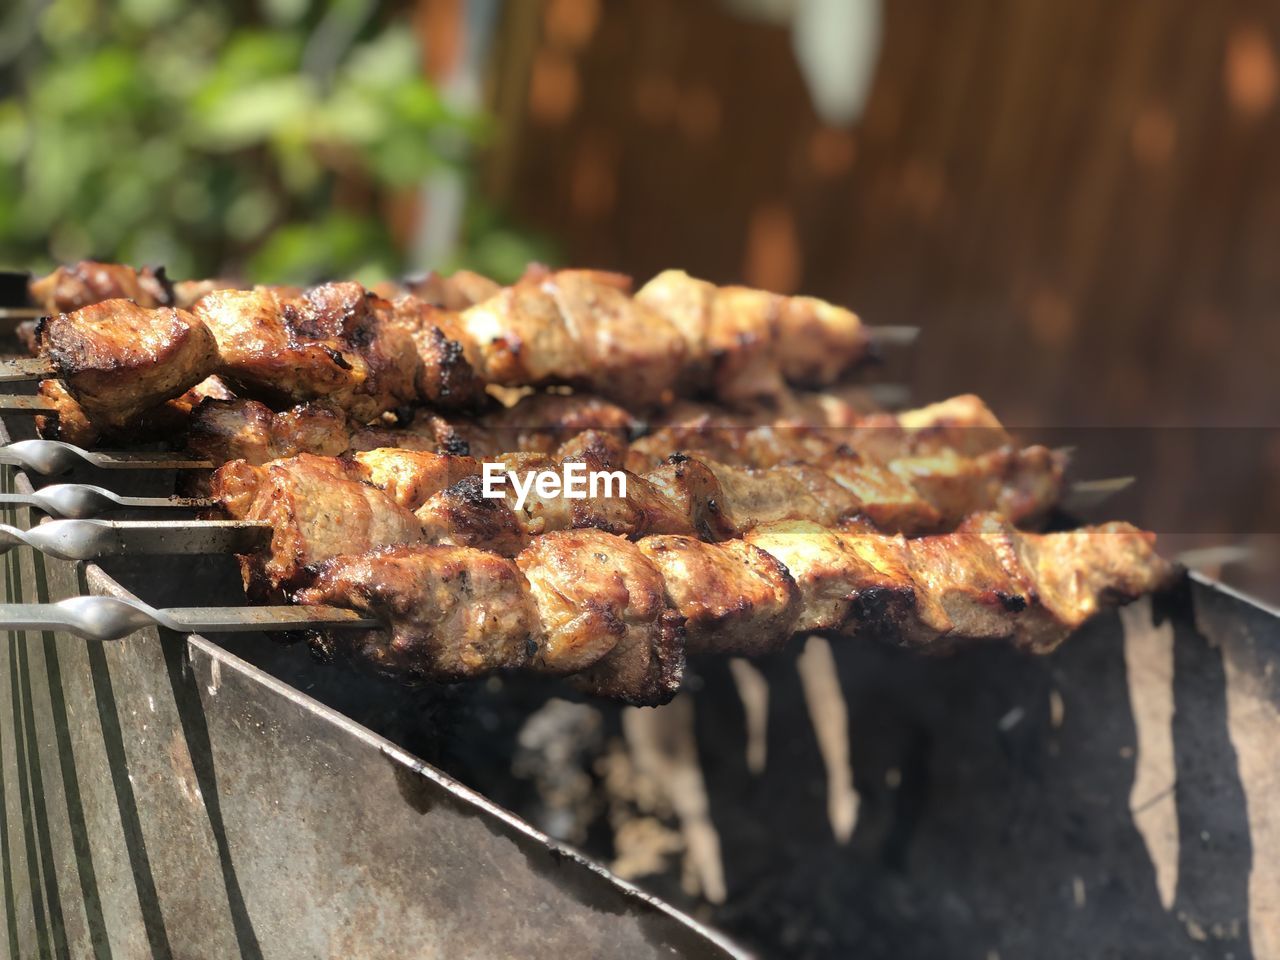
180, 795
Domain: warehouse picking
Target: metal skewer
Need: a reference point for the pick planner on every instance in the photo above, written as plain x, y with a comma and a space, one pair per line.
53, 456
28, 368
111, 618
40, 368
894, 335
22, 313
27, 406
93, 539
80, 501
1088, 494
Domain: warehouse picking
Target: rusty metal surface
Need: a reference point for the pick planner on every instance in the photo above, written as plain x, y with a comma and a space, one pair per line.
988, 823
164, 798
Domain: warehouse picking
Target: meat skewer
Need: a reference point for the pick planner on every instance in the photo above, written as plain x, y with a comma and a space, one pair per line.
542, 422
248, 430
406, 496
618, 617
318, 507
915, 484
369, 355
234, 429
87, 282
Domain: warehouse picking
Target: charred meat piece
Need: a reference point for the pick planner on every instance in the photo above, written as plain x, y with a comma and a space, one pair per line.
317, 508
749, 341
574, 327
619, 615
72, 424
456, 613
225, 430
412, 477
446, 377
88, 282
119, 360
330, 344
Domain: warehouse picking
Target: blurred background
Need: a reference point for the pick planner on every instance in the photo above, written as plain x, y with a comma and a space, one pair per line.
1077, 202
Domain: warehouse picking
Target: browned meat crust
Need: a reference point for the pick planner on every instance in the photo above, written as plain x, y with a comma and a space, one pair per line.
318, 508
88, 282
619, 615
329, 344
119, 360
369, 355
72, 424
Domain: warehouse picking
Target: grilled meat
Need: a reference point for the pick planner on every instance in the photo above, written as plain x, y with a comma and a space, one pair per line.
317, 508
683, 495
577, 327
187, 293
454, 292
330, 344
915, 472
89, 282
620, 615
119, 360
539, 423
446, 376
225, 430
369, 355
72, 424
749, 341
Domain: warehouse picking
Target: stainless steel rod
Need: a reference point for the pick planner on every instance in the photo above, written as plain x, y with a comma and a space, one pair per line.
892, 335
27, 368
28, 406
111, 618
93, 539
48, 457
1088, 494
22, 313
82, 501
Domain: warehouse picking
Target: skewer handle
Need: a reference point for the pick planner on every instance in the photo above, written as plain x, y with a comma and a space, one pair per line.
81, 501
49, 457
112, 618
93, 539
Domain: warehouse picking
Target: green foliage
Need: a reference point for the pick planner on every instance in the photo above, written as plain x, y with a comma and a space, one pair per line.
268, 142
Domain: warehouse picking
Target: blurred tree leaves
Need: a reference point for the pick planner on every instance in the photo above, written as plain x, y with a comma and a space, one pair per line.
270, 141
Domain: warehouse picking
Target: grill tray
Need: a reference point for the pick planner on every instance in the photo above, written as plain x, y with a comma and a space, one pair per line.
170, 796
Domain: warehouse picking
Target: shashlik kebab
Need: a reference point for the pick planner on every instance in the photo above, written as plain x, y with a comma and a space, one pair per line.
922, 470
70, 287
317, 507
908, 479
223, 430
620, 615
369, 355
